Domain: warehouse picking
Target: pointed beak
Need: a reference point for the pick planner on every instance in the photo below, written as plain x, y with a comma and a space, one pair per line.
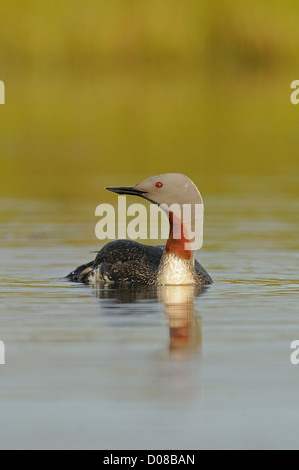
130, 190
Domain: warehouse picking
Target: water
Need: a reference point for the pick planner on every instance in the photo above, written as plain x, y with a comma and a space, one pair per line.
166, 368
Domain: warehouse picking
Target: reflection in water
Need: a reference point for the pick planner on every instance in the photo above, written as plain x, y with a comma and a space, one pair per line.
178, 379
184, 322
124, 293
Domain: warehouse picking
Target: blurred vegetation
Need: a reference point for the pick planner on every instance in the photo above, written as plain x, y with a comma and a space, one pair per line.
101, 90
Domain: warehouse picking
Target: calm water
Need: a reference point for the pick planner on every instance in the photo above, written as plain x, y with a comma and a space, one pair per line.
167, 368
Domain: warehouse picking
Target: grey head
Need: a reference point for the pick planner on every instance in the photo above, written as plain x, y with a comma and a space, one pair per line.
167, 188
173, 192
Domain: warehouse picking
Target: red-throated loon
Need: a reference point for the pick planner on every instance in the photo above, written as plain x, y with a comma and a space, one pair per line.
126, 261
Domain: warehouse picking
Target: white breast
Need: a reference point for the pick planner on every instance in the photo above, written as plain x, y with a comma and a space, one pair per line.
175, 270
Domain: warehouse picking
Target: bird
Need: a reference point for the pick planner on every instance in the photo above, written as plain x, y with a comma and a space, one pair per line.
133, 263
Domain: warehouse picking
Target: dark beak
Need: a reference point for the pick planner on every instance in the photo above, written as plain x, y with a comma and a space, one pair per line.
126, 190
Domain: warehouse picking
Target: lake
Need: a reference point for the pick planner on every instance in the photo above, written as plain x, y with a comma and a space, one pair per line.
172, 367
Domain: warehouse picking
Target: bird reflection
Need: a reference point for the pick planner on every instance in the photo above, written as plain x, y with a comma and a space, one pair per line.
185, 336
124, 293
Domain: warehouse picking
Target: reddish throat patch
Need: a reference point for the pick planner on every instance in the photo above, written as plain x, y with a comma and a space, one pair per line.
179, 246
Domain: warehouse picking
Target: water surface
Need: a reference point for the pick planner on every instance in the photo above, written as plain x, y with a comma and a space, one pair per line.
155, 368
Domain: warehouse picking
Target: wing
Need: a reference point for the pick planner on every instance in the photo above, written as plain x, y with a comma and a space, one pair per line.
121, 261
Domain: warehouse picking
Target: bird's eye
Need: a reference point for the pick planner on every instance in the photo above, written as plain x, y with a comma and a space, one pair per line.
159, 185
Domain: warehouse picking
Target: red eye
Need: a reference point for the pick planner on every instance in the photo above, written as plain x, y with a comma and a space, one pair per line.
159, 185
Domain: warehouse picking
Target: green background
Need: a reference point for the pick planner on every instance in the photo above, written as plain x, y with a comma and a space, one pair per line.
98, 91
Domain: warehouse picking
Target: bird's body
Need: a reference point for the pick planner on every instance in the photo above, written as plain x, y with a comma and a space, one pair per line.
129, 262
126, 261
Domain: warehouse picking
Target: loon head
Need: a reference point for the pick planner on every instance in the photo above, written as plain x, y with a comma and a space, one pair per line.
168, 188
178, 196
